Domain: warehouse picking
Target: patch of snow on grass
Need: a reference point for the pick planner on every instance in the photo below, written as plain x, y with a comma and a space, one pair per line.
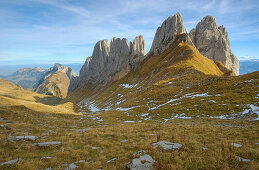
129, 86
253, 109
93, 108
170, 101
129, 121
126, 109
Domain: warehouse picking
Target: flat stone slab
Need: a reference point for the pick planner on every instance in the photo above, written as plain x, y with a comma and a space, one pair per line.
167, 145
144, 162
10, 162
5, 121
29, 138
242, 159
236, 145
46, 144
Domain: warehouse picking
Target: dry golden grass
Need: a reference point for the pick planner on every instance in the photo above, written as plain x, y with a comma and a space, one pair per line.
14, 95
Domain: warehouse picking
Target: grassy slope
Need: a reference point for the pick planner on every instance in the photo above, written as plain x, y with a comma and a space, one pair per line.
14, 95
178, 73
118, 139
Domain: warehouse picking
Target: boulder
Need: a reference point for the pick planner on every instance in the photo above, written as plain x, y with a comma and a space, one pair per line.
144, 162
46, 144
213, 42
167, 145
242, 159
16, 138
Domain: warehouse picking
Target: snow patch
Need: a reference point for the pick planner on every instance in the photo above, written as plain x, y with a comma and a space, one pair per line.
129, 86
129, 121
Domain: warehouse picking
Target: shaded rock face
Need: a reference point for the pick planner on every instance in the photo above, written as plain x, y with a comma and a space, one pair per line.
165, 34
111, 61
213, 42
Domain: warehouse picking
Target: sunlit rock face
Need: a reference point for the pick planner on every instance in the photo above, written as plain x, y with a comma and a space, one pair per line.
213, 42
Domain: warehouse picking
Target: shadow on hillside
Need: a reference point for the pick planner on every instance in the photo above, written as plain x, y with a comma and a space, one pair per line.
49, 100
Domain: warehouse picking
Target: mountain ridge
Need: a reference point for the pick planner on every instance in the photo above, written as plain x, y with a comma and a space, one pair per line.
97, 67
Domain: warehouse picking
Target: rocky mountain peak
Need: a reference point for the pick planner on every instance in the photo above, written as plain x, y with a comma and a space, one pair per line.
165, 34
111, 60
213, 42
64, 69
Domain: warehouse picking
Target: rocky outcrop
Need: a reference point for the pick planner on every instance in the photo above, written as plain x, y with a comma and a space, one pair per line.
64, 69
213, 42
111, 61
165, 34
137, 51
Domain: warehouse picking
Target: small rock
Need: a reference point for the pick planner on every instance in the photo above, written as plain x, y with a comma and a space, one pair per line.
144, 162
71, 166
10, 162
204, 148
46, 144
236, 145
124, 141
94, 147
29, 138
242, 159
167, 145
50, 131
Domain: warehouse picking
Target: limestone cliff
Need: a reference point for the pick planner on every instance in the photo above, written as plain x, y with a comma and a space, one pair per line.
165, 34
213, 42
110, 61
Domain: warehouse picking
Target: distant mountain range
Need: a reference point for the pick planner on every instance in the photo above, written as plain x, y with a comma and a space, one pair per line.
248, 66
6, 70
53, 81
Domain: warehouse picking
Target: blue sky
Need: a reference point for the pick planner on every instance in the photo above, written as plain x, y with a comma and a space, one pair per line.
65, 31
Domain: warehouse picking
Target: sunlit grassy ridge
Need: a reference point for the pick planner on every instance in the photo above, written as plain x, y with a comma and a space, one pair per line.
14, 95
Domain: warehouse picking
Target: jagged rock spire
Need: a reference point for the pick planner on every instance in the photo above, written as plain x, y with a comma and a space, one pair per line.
111, 61
165, 34
213, 42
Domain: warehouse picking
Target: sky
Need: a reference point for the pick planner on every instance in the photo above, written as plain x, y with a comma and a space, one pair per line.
65, 31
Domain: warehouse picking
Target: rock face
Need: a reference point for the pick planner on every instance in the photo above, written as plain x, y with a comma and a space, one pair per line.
213, 42
138, 51
111, 61
56, 81
165, 34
